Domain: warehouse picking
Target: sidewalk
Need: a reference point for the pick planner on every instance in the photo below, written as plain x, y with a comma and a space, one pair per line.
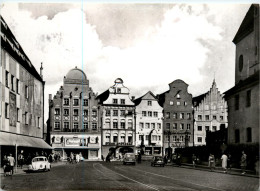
217, 169
25, 167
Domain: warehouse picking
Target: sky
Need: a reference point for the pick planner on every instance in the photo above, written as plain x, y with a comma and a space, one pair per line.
148, 45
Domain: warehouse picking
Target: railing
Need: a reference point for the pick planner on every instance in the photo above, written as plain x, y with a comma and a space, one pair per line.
119, 144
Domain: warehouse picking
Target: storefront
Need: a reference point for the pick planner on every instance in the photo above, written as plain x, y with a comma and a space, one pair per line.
86, 145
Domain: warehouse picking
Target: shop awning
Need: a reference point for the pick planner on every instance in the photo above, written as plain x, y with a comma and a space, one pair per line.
10, 139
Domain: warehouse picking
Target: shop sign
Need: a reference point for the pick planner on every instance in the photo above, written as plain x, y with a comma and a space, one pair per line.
72, 142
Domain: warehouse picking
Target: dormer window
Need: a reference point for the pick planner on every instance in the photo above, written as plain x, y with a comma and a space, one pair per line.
114, 101
149, 103
178, 96
118, 90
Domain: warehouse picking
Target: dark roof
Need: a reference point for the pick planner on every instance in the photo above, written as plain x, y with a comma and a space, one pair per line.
247, 25
198, 99
11, 45
103, 97
138, 100
161, 98
242, 84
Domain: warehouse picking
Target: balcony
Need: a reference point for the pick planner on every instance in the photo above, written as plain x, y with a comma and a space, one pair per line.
119, 144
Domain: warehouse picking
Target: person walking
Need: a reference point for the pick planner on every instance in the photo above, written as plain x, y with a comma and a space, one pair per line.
229, 161
11, 161
77, 158
194, 158
243, 162
211, 161
21, 159
5, 165
224, 159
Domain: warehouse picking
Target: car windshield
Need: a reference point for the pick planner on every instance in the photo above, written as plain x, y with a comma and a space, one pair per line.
130, 155
37, 159
157, 158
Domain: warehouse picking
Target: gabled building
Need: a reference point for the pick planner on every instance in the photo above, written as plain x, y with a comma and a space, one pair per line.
73, 118
117, 120
22, 99
210, 113
178, 116
149, 124
243, 98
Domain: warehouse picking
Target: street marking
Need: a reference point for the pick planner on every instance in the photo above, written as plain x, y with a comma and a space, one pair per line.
178, 180
127, 177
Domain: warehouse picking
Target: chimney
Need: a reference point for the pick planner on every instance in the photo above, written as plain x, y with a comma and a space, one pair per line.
133, 97
41, 71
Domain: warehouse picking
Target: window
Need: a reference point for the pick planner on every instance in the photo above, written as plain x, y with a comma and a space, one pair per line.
130, 139
154, 137
115, 125
182, 138
146, 137
66, 125
237, 102
85, 112
149, 103
150, 114
76, 125
107, 138
167, 115
122, 112
66, 111
115, 112
178, 103
12, 82
178, 96
94, 113
168, 126
159, 137
75, 112
174, 115
214, 128
18, 114
141, 125
85, 102
237, 136
175, 126
199, 117
199, 128
174, 138
182, 126
185, 103
75, 102
155, 114
17, 86
56, 125
108, 112
207, 117
122, 125
181, 115
118, 90
159, 126
85, 125
144, 113
114, 101
94, 126
147, 125
153, 125
38, 122
221, 118
66, 101
171, 102
249, 134
130, 125
248, 98
122, 101
115, 139
240, 63
57, 111
7, 110
188, 126
200, 139
214, 117
107, 124
26, 118
188, 116
6, 79
207, 128
26, 92
122, 138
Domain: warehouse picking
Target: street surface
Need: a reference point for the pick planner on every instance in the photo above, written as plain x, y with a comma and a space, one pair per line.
116, 176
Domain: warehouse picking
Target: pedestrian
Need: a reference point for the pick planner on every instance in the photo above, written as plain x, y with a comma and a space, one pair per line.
11, 161
71, 157
21, 159
211, 161
77, 158
102, 157
139, 157
243, 162
224, 159
179, 159
6, 167
229, 161
108, 158
165, 159
194, 158
50, 158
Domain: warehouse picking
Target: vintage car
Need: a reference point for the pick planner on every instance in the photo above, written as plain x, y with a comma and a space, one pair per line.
129, 158
39, 163
157, 160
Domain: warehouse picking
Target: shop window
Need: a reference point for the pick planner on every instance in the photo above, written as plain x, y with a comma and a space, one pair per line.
249, 134
248, 98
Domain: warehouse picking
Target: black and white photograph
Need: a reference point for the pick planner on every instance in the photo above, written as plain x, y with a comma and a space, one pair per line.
118, 95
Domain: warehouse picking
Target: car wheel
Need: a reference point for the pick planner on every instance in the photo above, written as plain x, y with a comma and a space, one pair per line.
45, 169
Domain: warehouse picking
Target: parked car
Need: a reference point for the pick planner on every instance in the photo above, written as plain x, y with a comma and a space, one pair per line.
157, 160
129, 158
39, 163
